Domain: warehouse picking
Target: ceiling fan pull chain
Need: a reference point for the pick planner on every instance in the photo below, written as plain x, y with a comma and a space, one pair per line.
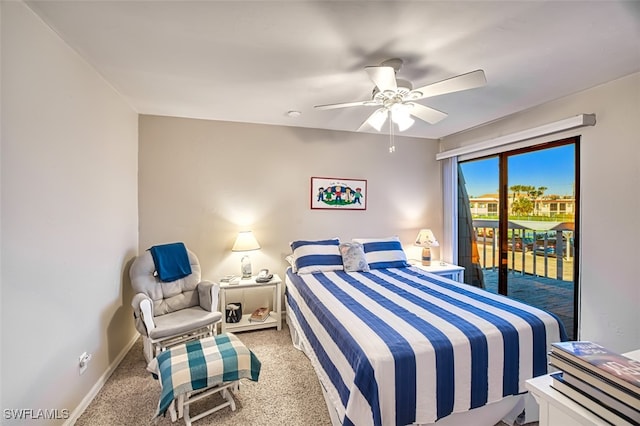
392, 138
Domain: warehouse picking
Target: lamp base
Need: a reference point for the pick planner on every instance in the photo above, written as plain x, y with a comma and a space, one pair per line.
245, 264
426, 256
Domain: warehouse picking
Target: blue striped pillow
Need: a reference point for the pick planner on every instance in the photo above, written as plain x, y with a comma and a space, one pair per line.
383, 252
317, 256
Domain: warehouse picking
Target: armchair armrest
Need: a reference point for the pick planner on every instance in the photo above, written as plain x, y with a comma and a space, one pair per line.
208, 293
143, 313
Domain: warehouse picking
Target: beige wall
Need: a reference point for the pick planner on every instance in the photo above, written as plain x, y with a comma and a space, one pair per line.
203, 181
69, 218
609, 203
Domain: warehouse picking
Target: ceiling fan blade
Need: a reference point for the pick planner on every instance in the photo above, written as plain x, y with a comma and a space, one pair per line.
454, 84
375, 120
430, 115
345, 105
383, 77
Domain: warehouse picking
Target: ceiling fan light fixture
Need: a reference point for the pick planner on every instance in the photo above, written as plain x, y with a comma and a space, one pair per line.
378, 118
400, 115
404, 123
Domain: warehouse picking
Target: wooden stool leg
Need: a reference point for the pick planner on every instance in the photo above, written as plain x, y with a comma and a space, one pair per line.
185, 411
172, 411
195, 396
181, 406
229, 398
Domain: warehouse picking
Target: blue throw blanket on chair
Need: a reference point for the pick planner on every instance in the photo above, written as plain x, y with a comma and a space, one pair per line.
171, 260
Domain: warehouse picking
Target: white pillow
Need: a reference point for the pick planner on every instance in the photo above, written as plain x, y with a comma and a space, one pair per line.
353, 257
317, 256
383, 252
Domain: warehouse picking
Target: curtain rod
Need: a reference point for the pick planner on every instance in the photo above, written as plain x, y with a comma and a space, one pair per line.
546, 129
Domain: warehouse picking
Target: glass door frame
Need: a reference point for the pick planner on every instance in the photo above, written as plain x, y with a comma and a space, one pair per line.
503, 216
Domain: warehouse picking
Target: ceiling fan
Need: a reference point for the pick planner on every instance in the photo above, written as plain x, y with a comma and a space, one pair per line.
396, 98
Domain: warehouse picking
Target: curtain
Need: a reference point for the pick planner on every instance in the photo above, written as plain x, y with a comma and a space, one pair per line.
468, 254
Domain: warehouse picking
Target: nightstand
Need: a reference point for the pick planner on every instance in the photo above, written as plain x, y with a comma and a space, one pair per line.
447, 270
275, 316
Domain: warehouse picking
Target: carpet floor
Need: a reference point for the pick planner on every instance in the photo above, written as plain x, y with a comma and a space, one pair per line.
287, 393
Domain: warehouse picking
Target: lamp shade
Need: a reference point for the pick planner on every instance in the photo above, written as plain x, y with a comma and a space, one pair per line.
426, 238
245, 242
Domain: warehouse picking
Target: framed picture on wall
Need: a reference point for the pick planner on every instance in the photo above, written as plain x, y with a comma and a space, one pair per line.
338, 193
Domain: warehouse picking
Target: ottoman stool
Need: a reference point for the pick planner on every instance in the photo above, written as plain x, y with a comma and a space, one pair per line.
199, 368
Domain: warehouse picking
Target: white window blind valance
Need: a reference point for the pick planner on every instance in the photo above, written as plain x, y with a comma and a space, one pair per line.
495, 145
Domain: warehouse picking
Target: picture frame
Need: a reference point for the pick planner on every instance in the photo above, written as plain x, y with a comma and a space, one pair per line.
329, 193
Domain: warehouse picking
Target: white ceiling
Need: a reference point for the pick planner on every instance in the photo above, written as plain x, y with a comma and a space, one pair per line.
254, 61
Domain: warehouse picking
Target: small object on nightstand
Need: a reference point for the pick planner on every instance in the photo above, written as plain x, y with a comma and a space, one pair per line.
264, 276
233, 312
259, 315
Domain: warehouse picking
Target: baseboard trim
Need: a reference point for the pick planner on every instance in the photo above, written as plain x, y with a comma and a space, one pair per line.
75, 414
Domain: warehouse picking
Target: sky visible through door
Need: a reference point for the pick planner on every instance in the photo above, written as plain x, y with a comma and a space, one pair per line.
546, 168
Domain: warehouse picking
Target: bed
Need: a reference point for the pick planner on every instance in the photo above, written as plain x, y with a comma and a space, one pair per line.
397, 345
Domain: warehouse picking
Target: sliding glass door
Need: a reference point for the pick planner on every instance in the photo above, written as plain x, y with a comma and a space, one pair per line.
517, 215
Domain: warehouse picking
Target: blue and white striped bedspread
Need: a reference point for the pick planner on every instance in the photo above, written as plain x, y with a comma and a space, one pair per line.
400, 346
200, 364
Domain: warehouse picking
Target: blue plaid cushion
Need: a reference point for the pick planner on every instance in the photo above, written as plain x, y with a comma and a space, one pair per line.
200, 364
317, 256
383, 252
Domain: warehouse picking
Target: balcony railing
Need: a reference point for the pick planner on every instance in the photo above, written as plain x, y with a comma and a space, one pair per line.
546, 252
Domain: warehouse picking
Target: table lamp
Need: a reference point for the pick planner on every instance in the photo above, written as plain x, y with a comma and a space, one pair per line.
426, 240
245, 242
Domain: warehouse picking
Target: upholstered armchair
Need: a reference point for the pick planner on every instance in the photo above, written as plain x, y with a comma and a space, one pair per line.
169, 313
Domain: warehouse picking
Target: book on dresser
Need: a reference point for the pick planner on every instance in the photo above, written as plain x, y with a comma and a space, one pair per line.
259, 315
595, 400
588, 377
602, 362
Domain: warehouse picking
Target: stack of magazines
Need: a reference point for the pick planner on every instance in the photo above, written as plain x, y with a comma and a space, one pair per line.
259, 315
604, 382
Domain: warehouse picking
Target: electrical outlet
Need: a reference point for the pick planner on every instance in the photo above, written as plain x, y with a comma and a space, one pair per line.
84, 361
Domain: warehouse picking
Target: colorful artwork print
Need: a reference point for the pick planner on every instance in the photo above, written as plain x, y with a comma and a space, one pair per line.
338, 194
